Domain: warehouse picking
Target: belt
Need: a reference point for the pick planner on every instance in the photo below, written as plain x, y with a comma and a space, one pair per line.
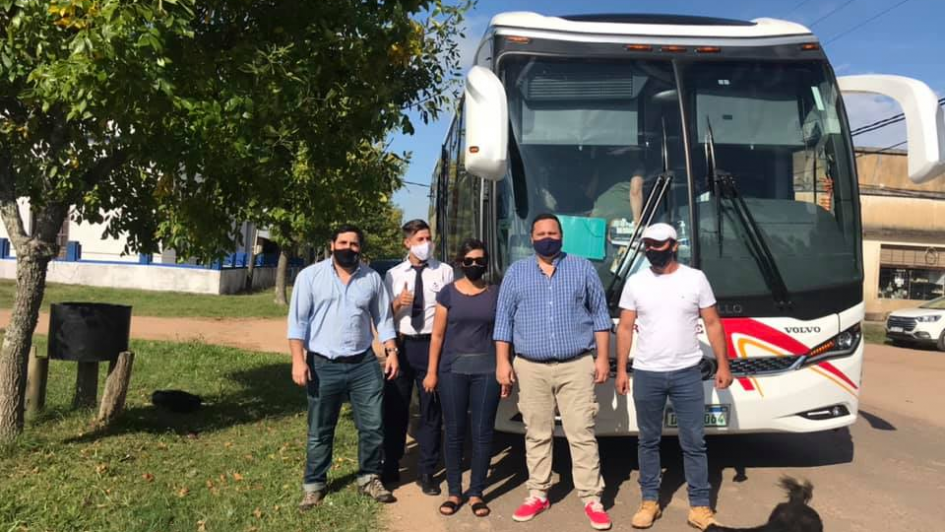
553, 360
353, 359
415, 336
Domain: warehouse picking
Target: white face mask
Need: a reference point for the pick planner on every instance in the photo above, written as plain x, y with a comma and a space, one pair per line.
422, 251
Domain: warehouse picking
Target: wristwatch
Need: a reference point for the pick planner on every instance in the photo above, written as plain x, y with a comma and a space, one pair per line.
389, 350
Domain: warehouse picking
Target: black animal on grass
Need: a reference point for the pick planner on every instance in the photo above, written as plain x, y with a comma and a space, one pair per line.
176, 401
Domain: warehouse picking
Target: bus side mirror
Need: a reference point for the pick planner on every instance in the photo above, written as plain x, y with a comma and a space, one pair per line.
486, 114
925, 123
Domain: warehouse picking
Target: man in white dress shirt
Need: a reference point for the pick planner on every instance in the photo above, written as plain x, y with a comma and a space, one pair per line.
414, 285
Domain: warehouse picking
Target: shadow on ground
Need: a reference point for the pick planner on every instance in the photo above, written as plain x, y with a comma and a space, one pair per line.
619, 460
261, 393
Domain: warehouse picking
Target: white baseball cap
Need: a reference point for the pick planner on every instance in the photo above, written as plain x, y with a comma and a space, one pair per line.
659, 233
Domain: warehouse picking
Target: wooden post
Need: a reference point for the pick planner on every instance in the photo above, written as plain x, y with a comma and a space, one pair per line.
116, 387
86, 385
36, 379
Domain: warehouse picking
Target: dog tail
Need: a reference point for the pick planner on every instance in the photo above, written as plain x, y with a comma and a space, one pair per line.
797, 492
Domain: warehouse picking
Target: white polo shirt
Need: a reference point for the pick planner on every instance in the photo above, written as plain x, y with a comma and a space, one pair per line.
435, 277
668, 311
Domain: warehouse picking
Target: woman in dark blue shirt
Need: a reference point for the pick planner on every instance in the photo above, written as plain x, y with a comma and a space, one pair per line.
462, 367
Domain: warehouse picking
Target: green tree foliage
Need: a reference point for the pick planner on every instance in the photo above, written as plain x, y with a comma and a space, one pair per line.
167, 120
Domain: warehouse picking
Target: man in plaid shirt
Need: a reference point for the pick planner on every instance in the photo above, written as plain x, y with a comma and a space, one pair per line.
552, 309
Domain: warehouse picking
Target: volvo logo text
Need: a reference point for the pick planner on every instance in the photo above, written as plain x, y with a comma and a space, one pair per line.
801, 330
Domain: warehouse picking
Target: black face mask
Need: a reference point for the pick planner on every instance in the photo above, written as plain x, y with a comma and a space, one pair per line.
547, 247
346, 258
660, 258
474, 273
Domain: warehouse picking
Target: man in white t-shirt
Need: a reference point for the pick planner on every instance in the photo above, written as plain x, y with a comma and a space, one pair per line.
665, 303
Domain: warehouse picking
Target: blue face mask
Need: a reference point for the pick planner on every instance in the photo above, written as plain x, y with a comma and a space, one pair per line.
547, 247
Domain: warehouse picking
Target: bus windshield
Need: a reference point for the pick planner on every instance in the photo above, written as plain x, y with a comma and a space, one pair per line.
587, 139
776, 130
587, 144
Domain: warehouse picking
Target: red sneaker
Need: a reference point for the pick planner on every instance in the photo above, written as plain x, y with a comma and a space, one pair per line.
530, 508
599, 519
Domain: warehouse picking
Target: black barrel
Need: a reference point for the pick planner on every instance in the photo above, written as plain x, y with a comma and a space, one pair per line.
88, 332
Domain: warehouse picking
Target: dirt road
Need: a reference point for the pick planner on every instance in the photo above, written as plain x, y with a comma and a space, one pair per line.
253, 334
886, 473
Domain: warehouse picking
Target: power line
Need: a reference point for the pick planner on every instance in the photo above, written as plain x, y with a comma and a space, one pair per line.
879, 124
796, 7
414, 183
828, 15
864, 23
877, 152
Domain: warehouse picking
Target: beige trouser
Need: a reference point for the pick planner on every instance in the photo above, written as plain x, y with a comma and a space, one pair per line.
570, 386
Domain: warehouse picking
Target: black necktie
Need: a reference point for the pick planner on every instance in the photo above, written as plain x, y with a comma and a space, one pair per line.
417, 313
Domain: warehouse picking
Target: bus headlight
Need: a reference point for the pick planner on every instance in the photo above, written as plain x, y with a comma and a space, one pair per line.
844, 344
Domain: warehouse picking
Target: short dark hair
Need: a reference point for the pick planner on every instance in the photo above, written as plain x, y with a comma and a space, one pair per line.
413, 227
471, 244
547, 216
348, 228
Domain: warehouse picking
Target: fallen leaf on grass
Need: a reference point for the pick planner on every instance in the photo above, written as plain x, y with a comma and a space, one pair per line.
181, 493
201, 526
257, 513
148, 477
101, 469
237, 477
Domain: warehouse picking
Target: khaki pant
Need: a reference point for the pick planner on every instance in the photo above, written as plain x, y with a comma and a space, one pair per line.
570, 386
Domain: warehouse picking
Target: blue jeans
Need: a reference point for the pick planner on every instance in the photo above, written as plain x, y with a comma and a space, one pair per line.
684, 389
479, 395
361, 382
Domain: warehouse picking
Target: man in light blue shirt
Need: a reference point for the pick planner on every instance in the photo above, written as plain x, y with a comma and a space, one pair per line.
334, 305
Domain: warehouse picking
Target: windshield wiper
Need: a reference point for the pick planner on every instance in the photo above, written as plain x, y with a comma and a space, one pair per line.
723, 186
653, 200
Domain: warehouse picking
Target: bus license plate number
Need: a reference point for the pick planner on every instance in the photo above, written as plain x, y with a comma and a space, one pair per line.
715, 416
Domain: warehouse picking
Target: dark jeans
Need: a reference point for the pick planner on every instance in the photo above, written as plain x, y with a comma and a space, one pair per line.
397, 395
479, 396
684, 389
332, 382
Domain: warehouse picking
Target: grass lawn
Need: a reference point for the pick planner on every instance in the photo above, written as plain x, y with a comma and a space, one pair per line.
150, 303
233, 466
874, 332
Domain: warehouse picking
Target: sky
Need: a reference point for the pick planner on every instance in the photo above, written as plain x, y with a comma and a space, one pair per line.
906, 41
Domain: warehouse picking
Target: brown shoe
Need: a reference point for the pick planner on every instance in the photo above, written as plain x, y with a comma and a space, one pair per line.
311, 500
701, 517
648, 513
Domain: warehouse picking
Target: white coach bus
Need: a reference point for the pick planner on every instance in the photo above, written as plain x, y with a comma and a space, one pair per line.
732, 131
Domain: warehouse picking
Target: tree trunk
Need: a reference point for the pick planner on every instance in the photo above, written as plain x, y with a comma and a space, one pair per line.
251, 265
282, 271
116, 387
31, 267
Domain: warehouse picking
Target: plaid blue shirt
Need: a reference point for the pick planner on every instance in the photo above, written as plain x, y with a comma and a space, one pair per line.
551, 318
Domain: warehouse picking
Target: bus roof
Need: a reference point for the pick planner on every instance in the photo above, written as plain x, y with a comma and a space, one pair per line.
650, 25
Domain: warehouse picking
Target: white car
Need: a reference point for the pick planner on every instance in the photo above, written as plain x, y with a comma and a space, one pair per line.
924, 324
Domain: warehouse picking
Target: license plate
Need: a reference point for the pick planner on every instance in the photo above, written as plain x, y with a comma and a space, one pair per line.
715, 416
895, 329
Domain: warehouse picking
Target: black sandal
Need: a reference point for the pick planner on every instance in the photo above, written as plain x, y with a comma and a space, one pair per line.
450, 507
480, 509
